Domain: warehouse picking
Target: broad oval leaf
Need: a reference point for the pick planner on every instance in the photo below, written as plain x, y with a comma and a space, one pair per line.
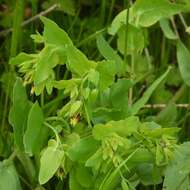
49, 163
147, 13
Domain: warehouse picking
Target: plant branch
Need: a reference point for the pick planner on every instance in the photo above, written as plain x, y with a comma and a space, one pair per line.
165, 105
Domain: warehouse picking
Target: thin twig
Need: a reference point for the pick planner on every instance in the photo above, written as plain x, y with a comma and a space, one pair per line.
26, 22
183, 21
165, 105
175, 27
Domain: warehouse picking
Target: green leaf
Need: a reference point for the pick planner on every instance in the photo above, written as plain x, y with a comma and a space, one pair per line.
107, 70
147, 13
84, 176
9, 179
108, 53
183, 58
119, 93
77, 62
68, 6
95, 160
124, 185
167, 30
36, 132
135, 39
148, 174
19, 113
53, 34
21, 58
38, 38
75, 107
48, 58
119, 21
123, 128
142, 101
177, 173
49, 163
73, 183
167, 117
83, 149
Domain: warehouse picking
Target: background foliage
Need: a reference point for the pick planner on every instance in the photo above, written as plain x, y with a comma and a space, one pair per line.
76, 89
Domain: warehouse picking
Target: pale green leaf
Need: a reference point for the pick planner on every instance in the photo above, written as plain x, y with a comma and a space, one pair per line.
49, 163
123, 128
119, 21
21, 58
53, 34
77, 62
75, 106
147, 13
135, 39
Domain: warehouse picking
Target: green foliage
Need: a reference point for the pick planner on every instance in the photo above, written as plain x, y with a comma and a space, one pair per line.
79, 113
9, 179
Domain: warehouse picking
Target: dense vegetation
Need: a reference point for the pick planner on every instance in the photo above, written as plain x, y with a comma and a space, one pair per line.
94, 95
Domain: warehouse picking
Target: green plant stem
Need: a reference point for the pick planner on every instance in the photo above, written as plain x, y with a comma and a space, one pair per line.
126, 32
55, 132
91, 37
103, 10
183, 21
110, 11
179, 93
42, 99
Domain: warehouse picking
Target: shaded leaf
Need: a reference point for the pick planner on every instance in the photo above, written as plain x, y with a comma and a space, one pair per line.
183, 58
36, 132
83, 149
19, 112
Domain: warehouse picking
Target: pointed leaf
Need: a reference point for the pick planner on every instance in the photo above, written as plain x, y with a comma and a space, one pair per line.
142, 101
49, 163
